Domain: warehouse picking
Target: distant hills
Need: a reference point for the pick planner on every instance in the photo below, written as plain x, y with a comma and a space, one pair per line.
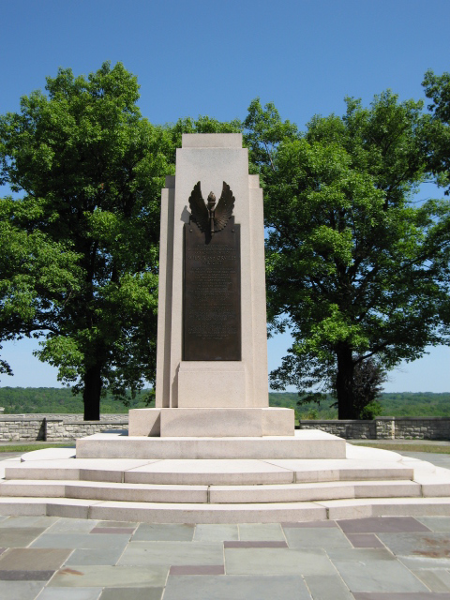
58, 400
61, 400
406, 404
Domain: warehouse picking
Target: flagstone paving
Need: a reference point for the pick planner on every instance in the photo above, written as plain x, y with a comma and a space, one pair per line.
385, 558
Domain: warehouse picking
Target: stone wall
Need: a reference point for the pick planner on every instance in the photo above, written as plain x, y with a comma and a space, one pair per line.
19, 429
25, 428
383, 428
78, 417
58, 429
415, 428
38, 427
344, 429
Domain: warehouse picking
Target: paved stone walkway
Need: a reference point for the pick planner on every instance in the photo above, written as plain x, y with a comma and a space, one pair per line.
53, 558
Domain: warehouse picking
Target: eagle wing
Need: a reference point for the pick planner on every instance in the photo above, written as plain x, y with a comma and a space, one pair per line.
198, 208
224, 208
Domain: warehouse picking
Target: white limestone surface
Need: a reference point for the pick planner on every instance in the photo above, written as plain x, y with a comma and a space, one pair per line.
211, 422
386, 507
9, 462
369, 482
105, 469
209, 472
49, 454
307, 444
310, 492
227, 422
366, 453
195, 389
212, 513
212, 159
33, 488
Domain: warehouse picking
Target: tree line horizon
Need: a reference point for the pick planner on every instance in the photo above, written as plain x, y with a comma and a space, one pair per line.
356, 269
50, 400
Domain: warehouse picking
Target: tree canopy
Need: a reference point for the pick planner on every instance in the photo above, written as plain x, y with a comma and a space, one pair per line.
437, 140
82, 261
437, 150
91, 170
354, 268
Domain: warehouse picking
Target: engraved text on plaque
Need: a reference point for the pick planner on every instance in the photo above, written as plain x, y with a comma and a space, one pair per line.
212, 294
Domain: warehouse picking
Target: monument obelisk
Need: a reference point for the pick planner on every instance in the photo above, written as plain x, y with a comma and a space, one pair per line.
212, 342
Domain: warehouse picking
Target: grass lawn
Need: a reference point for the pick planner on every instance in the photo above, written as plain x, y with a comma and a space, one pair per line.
418, 447
30, 447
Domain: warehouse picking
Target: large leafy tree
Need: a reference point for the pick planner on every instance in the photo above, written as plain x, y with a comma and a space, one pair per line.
437, 146
353, 266
29, 262
80, 260
90, 169
437, 138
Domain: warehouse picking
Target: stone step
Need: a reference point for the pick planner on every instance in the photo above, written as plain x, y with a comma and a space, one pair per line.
225, 513
311, 492
367, 482
387, 507
210, 472
123, 492
304, 444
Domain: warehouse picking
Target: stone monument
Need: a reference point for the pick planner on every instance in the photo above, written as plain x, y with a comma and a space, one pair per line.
212, 451
212, 342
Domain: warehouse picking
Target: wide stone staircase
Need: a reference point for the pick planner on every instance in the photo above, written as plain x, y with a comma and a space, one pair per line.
312, 476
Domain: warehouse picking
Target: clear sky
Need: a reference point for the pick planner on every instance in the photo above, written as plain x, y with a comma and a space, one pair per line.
211, 57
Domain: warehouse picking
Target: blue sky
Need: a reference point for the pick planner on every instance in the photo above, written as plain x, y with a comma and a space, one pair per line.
197, 57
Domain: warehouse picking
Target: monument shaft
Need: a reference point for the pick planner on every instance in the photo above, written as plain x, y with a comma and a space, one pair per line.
212, 375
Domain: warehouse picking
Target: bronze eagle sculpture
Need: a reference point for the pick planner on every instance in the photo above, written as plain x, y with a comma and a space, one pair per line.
209, 217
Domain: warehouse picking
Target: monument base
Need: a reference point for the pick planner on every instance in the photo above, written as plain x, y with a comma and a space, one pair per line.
304, 444
211, 422
307, 477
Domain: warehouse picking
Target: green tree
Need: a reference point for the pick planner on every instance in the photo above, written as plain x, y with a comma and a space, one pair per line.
91, 169
437, 147
437, 139
82, 260
353, 266
368, 379
29, 263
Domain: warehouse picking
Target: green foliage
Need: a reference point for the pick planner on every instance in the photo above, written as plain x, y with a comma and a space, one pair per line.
406, 404
422, 446
18, 400
61, 400
436, 142
368, 379
30, 261
201, 125
304, 410
437, 135
353, 266
371, 410
420, 404
91, 169
30, 447
264, 130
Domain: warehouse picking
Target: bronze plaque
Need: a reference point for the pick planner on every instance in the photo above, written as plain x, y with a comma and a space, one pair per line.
212, 294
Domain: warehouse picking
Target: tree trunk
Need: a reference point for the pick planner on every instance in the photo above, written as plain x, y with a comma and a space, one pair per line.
344, 383
91, 395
